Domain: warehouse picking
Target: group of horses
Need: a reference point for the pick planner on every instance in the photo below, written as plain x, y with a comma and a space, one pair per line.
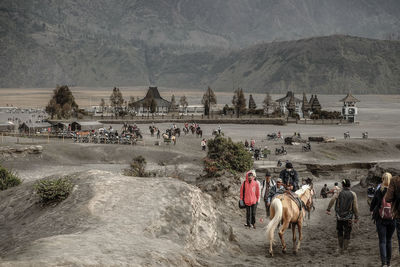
102, 136
288, 211
172, 133
177, 131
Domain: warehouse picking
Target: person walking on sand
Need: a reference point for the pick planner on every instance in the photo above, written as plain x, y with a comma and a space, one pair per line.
252, 143
383, 217
266, 186
346, 207
335, 190
393, 196
203, 144
250, 197
246, 143
324, 191
173, 138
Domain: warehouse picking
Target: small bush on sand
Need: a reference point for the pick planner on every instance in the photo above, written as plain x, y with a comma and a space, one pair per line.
8, 179
138, 168
53, 190
223, 154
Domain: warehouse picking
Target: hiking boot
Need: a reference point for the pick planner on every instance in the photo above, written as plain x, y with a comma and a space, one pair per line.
247, 225
253, 226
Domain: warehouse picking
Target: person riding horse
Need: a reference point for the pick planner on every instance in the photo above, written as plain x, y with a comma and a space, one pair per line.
290, 177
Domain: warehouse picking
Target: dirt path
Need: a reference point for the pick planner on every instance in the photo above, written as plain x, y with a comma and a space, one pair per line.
319, 244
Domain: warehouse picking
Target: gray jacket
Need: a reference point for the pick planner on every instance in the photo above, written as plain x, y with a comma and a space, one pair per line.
265, 188
275, 191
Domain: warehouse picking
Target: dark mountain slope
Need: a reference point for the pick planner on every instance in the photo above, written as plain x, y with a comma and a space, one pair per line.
334, 64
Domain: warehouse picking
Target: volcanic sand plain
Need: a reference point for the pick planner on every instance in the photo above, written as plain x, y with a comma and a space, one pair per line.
97, 224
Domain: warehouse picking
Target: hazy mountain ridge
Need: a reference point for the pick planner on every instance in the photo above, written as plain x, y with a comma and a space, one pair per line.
333, 64
175, 43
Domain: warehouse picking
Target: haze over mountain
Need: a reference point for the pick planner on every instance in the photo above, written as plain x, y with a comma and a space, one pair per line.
178, 43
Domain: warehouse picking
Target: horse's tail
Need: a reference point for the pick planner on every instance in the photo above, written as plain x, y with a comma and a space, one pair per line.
276, 205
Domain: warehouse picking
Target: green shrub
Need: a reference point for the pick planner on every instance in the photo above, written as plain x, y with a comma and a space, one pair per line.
224, 154
53, 190
137, 168
8, 179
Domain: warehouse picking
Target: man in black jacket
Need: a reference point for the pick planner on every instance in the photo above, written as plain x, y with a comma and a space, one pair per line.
290, 177
346, 207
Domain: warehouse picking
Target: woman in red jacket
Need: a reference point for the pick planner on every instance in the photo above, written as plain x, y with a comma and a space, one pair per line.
250, 197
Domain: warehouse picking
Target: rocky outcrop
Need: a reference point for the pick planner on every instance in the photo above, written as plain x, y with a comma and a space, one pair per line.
7, 150
112, 220
375, 173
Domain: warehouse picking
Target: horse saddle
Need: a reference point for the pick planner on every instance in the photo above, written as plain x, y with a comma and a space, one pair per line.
295, 198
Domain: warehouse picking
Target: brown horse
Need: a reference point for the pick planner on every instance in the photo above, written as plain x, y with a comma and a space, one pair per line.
284, 208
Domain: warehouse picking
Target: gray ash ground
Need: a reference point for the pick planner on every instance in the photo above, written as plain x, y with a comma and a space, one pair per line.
243, 247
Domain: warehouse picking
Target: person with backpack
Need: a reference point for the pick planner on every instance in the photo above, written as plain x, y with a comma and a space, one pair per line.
266, 185
346, 207
383, 217
250, 193
393, 196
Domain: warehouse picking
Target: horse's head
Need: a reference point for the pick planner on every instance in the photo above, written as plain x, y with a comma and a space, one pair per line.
306, 194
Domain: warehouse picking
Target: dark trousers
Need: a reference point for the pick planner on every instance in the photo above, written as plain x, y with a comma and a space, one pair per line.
397, 221
251, 214
385, 229
343, 228
266, 208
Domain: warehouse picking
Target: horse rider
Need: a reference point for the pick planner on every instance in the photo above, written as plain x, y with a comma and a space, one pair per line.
276, 189
266, 186
345, 207
290, 178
